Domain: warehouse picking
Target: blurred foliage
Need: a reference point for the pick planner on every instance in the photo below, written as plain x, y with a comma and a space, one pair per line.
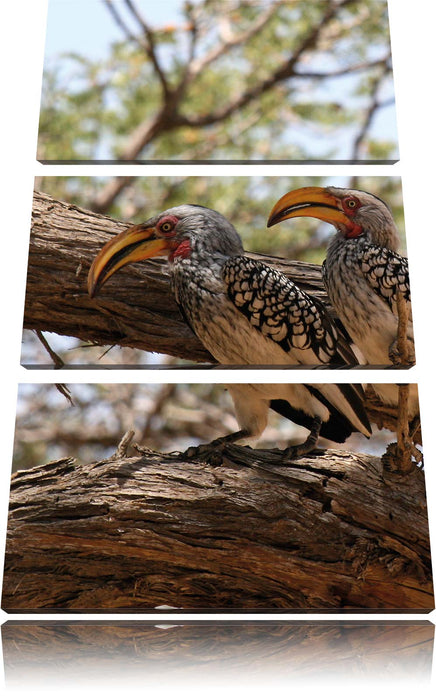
90, 108
245, 201
165, 417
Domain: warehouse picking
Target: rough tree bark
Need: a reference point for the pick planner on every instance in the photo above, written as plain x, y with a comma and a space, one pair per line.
329, 531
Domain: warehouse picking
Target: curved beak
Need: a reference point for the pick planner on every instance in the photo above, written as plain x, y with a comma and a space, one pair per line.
316, 202
136, 243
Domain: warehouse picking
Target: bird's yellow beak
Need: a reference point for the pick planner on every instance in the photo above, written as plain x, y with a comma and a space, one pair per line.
136, 243
309, 201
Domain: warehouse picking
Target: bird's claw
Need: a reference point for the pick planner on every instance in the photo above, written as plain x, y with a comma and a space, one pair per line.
393, 461
307, 446
395, 355
211, 453
296, 451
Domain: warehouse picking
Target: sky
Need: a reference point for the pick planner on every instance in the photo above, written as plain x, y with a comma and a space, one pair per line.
86, 25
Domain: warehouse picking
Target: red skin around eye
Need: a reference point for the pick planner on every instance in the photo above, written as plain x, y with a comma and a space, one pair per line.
173, 220
354, 230
350, 210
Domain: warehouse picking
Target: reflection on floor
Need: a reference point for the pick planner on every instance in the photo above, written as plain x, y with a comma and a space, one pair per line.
172, 651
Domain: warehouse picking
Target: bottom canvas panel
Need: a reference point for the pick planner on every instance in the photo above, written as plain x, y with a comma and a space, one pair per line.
327, 513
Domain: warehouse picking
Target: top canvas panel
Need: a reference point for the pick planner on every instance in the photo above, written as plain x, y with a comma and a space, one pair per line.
211, 81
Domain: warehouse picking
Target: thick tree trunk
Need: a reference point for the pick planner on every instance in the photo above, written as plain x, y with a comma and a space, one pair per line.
331, 531
135, 309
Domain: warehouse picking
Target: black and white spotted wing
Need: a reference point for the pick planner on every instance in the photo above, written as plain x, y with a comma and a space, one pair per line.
278, 309
386, 272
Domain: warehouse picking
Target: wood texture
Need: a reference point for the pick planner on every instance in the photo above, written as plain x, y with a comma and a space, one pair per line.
331, 531
136, 308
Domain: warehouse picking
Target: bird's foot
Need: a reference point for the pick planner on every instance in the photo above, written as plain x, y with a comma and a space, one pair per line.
210, 453
397, 461
307, 446
397, 358
295, 451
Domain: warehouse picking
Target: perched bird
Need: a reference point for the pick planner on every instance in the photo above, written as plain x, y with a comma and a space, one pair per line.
362, 272
245, 312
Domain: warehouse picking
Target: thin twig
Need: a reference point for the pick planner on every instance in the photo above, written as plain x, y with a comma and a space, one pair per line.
340, 72
64, 390
150, 45
235, 40
370, 112
403, 440
58, 361
120, 22
145, 43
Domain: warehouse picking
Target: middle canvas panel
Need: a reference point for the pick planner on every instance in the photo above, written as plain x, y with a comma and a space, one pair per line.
218, 270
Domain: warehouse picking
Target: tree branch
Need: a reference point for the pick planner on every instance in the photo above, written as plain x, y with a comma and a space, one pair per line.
113, 11
149, 45
57, 361
134, 534
108, 194
369, 114
281, 73
198, 65
340, 72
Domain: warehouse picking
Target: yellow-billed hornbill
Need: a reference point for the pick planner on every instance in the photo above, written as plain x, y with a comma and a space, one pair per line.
363, 273
245, 312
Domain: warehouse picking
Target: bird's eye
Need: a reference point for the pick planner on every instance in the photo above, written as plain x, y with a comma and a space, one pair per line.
167, 224
351, 203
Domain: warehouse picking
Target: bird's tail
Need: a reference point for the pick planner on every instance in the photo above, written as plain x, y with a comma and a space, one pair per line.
347, 401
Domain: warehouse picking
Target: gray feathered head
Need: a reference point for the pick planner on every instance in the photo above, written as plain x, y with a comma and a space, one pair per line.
354, 213
179, 232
